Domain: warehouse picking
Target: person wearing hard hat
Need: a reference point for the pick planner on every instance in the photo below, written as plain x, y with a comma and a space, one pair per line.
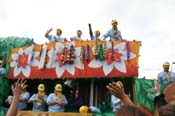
54, 38
39, 99
97, 35
116, 102
114, 33
166, 76
77, 37
57, 101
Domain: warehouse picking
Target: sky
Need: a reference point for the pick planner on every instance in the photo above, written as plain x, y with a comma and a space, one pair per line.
149, 21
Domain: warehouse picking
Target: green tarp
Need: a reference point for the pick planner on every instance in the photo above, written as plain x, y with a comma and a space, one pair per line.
3, 111
144, 93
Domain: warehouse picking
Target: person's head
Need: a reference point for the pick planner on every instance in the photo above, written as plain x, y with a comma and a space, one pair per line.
166, 66
41, 89
97, 33
58, 88
58, 32
83, 109
79, 33
169, 94
77, 94
129, 111
167, 110
114, 23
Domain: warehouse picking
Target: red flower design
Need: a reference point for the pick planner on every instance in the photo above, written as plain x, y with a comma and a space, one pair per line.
22, 60
117, 56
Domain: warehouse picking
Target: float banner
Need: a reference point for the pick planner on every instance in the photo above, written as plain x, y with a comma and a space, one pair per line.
75, 59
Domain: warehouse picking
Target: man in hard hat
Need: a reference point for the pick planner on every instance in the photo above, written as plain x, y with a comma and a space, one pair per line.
39, 99
114, 33
116, 102
97, 35
54, 38
166, 76
57, 100
77, 37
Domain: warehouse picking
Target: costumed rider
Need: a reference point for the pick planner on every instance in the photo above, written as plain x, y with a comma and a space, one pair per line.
116, 102
39, 99
77, 37
166, 76
91, 109
57, 101
54, 38
114, 33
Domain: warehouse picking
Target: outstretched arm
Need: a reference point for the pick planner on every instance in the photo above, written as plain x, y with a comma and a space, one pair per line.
17, 91
48, 31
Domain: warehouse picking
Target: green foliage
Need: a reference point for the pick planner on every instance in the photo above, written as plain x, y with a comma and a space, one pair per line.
6, 44
12, 42
4, 89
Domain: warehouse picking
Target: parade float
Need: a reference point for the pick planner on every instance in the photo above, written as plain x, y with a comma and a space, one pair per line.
88, 65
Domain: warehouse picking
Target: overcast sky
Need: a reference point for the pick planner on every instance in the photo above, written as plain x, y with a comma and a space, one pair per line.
149, 21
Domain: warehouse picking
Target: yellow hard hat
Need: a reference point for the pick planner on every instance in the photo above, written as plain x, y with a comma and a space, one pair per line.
41, 87
59, 30
83, 109
113, 21
58, 87
119, 84
97, 31
166, 63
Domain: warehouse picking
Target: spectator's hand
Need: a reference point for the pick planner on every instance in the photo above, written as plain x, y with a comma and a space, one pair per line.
116, 90
19, 87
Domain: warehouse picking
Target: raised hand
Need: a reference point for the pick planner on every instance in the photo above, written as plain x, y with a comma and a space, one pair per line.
116, 90
19, 87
